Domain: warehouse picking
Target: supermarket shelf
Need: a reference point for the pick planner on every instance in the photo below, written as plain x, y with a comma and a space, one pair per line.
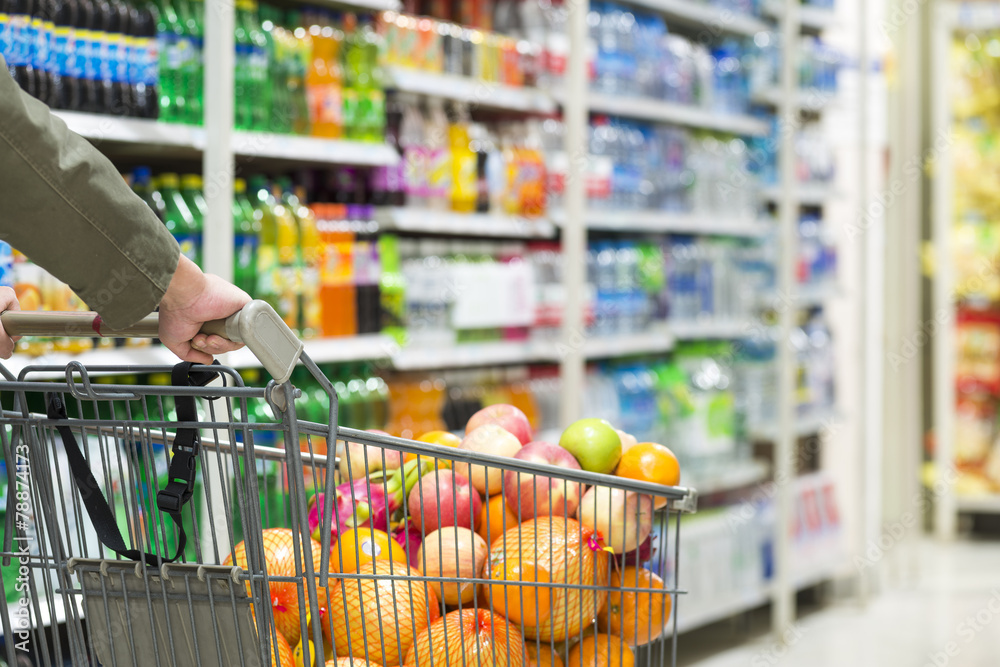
665, 222
651, 342
985, 504
681, 114
370, 5
808, 296
464, 89
712, 330
148, 355
467, 355
812, 100
702, 15
812, 423
737, 477
152, 135
737, 605
812, 19
325, 351
807, 194
265, 145
464, 224
147, 136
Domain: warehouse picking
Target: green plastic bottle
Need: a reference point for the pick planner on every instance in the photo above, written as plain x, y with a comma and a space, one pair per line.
194, 66
142, 185
191, 190
246, 237
172, 44
392, 288
179, 219
243, 85
268, 275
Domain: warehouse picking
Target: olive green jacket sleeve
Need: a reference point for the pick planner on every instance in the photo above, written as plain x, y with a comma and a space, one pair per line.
65, 206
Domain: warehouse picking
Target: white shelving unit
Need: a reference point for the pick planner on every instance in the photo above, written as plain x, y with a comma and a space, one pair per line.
477, 93
804, 194
463, 224
668, 112
713, 329
660, 222
220, 146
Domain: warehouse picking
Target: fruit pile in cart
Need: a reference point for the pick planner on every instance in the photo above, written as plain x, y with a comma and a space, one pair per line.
439, 561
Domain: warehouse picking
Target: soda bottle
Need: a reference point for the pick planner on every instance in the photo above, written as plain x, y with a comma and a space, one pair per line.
142, 185
191, 191
246, 232
243, 86
169, 31
259, 64
464, 162
324, 82
41, 31
84, 64
338, 304
299, 51
311, 256
388, 184
193, 67
180, 220
19, 33
268, 277
438, 157
392, 289
146, 78
289, 265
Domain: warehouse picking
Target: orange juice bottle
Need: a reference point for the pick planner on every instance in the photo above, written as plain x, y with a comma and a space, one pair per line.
324, 82
338, 304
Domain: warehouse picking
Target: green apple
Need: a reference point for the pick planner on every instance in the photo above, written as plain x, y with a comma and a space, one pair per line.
594, 443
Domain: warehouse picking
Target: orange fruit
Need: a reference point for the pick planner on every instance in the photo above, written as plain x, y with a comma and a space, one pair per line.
601, 651
351, 662
364, 545
380, 615
519, 603
650, 462
497, 515
443, 438
546, 656
285, 656
471, 637
279, 558
638, 618
562, 549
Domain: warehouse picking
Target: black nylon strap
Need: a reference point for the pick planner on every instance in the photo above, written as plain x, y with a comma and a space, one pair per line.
170, 500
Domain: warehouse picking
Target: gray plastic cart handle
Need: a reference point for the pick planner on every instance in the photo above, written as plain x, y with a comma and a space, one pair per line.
257, 326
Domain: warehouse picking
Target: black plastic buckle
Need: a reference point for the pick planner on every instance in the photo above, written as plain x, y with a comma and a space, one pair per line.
180, 488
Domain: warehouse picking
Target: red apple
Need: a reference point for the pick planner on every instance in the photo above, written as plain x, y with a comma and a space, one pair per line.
444, 498
505, 416
487, 439
530, 496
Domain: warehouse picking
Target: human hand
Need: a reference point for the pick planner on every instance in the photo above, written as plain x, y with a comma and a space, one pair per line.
192, 299
8, 301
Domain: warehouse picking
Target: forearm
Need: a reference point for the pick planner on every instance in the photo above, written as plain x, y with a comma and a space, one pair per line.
67, 208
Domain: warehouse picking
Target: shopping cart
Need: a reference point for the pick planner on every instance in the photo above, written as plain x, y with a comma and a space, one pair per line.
169, 524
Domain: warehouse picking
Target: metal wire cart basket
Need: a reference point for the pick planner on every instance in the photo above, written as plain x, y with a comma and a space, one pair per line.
198, 521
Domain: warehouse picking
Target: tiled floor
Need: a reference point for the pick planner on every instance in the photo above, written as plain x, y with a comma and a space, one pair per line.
948, 617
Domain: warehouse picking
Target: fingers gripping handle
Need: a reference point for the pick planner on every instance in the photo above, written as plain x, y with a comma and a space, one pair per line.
257, 326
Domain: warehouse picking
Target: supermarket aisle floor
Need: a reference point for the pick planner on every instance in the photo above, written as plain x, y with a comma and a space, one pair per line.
949, 617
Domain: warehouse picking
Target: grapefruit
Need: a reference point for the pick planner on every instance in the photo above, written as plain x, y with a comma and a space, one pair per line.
381, 615
545, 656
468, 637
601, 651
569, 554
279, 558
638, 618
